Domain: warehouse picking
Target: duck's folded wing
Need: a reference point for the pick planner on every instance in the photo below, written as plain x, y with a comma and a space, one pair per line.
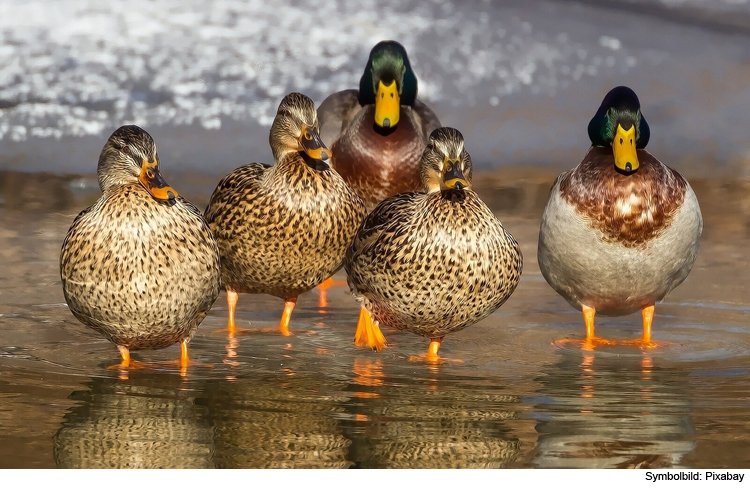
335, 113
427, 119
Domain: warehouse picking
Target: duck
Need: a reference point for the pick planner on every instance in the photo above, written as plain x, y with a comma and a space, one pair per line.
620, 230
435, 261
378, 132
140, 266
283, 228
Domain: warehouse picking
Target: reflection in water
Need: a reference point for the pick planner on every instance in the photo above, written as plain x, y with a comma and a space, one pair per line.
276, 421
608, 411
148, 421
428, 423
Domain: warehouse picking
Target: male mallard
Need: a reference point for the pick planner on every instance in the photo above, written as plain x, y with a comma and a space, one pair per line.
378, 132
140, 266
283, 228
621, 230
432, 262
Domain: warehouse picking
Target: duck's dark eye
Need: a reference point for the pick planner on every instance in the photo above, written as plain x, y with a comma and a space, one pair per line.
620, 141
449, 168
126, 150
631, 141
308, 136
150, 174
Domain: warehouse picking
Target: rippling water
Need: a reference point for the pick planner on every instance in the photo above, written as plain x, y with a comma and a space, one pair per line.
312, 400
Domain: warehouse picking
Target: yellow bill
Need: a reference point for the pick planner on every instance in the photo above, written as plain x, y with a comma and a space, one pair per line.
387, 105
151, 179
626, 158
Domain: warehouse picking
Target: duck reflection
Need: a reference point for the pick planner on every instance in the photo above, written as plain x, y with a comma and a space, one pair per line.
609, 411
427, 423
147, 421
277, 420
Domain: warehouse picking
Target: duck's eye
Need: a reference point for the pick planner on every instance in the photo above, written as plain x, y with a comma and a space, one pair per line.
631, 141
391, 94
150, 174
620, 141
308, 136
126, 150
449, 168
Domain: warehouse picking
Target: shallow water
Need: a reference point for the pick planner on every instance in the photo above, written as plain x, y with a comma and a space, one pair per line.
313, 400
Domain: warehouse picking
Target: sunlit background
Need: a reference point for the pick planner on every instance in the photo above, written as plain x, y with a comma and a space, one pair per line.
519, 78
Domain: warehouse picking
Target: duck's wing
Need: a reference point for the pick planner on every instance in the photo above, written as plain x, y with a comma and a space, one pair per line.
427, 119
233, 188
335, 113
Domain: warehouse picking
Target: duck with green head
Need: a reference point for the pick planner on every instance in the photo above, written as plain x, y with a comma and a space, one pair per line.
621, 230
432, 261
379, 131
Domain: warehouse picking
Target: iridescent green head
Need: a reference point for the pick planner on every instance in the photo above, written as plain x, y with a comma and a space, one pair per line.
388, 82
620, 124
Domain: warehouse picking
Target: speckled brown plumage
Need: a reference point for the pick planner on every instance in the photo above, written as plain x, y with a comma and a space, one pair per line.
283, 228
434, 262
144, 272
627, 209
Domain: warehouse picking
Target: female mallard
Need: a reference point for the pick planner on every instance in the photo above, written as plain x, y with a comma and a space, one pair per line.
432, 262
621, 230
283, 228
140, 266
379, 132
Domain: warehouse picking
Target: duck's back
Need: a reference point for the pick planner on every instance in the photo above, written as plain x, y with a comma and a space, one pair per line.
143, 272
433, 263
282, 229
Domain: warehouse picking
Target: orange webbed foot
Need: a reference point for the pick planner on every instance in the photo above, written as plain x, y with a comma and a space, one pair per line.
368, 332
432, 357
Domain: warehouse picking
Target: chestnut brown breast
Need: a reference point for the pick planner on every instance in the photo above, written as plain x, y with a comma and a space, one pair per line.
378, 164
627, 209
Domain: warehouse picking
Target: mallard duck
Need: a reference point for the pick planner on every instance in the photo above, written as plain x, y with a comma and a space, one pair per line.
140, 266
621, 230
283, 228
432, 262
378, 132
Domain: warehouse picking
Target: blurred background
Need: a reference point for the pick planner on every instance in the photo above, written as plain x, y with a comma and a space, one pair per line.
519, 78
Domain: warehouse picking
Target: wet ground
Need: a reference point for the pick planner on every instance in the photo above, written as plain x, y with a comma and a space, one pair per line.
313, 400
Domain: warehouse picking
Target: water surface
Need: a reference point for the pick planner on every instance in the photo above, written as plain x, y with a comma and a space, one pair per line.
313, 400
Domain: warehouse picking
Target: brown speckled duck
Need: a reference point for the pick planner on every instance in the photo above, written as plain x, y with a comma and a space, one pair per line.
378, 132
141, 265
283, 228
621, 230
432, 262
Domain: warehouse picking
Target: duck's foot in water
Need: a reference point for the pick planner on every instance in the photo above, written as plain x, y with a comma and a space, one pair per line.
432, 357
588, 343
368, 332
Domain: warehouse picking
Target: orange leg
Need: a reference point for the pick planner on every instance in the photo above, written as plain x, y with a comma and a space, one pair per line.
648, 318
368, 332
645, 341
329, 283
125, 354
591, 341
287, 315
232, 298
432, 357
183, 358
